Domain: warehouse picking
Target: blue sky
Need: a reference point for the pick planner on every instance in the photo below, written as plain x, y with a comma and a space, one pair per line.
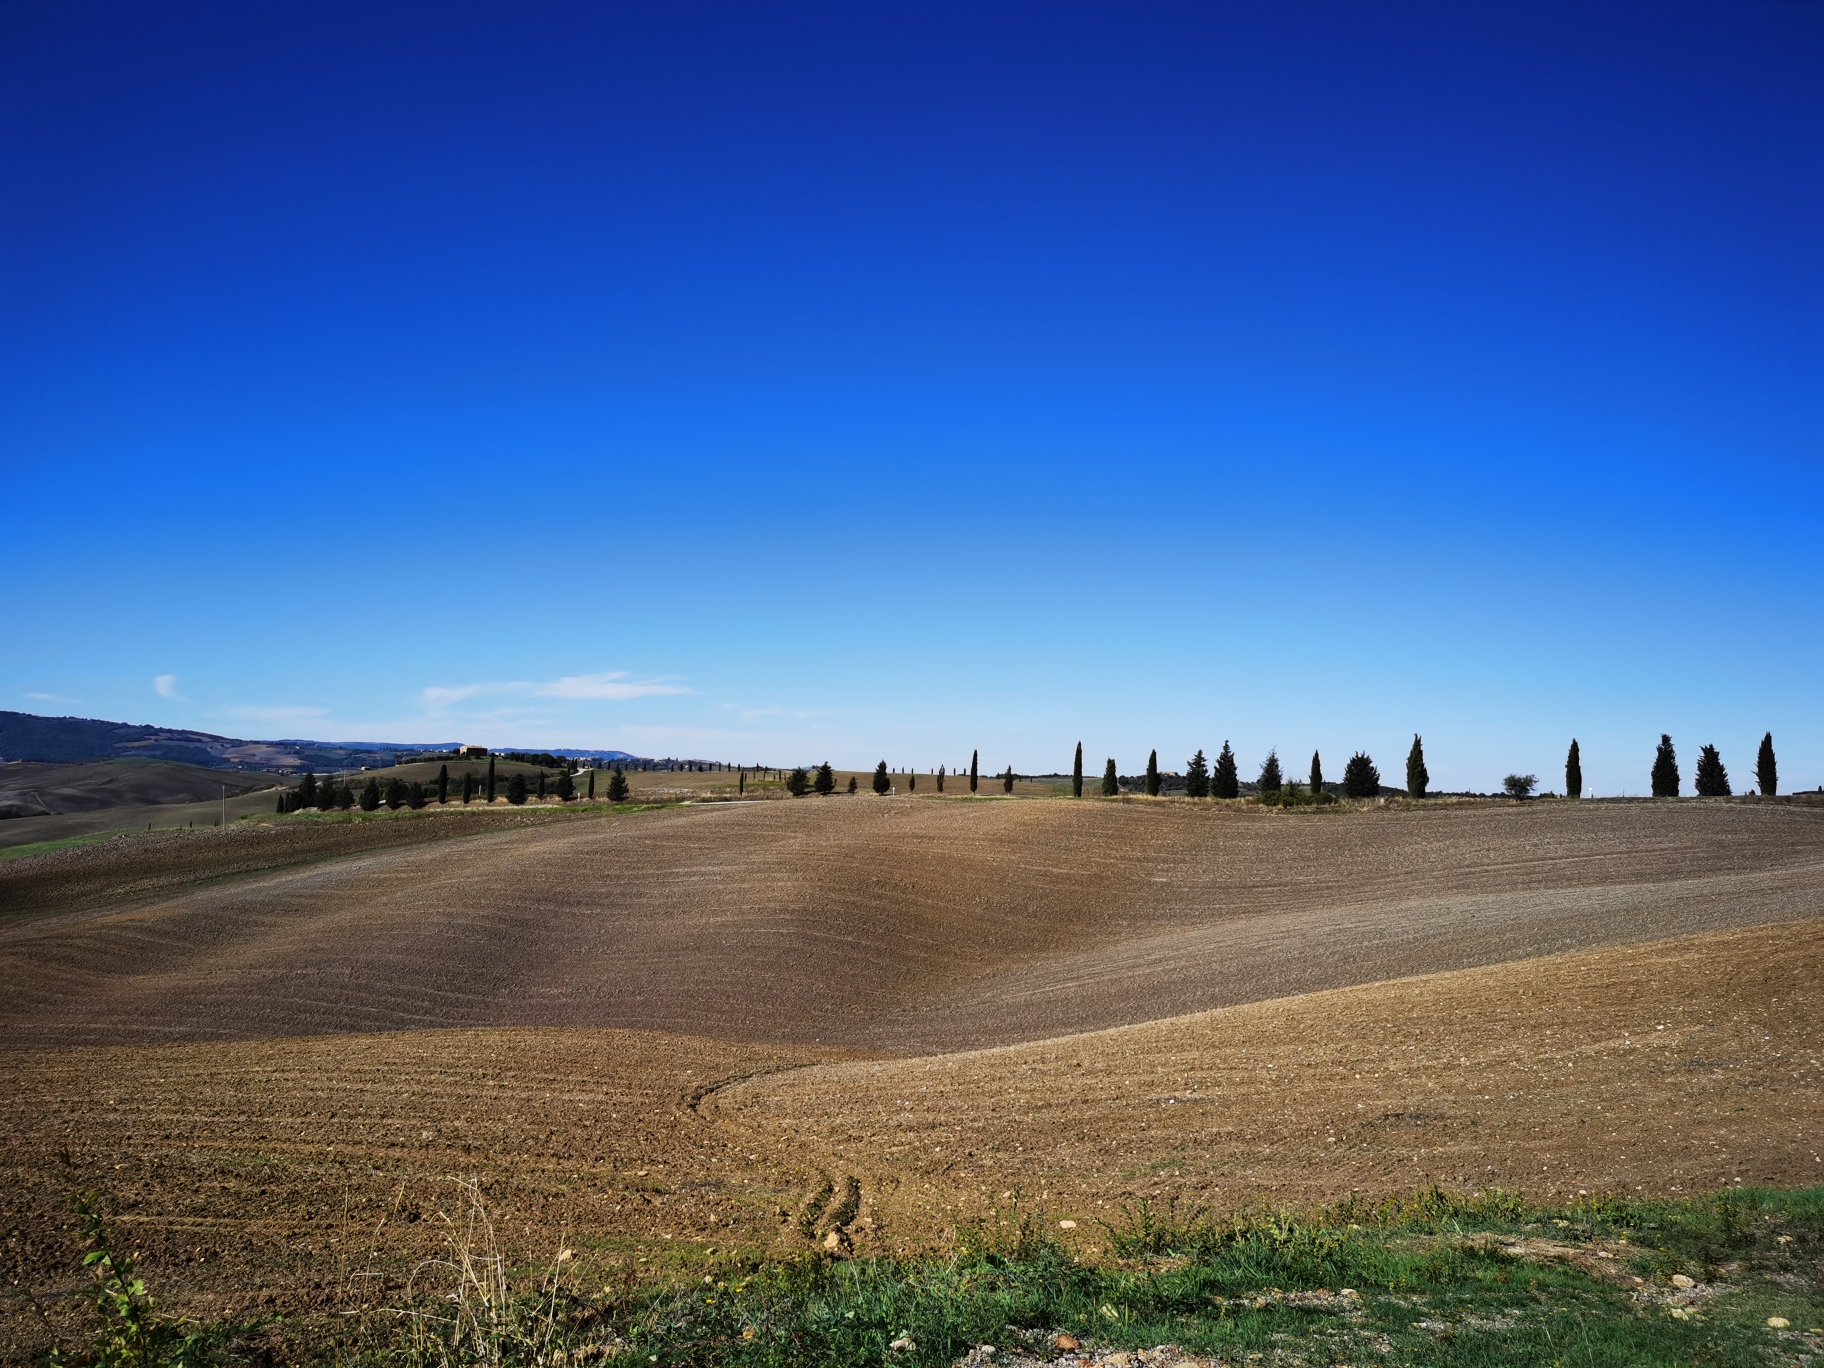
781, 383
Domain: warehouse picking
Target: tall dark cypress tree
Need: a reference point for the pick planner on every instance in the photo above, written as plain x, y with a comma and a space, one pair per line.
881, 782
1766, 768
1152, 774
443, 783
975, 759
516, 788
1076, 773
1226, 781
1007, 780
490, 778
1573, 771
370, 794
307, 790
1111, 782
1271, 780
617, 786
1711, 780
1417, 776
1360, 777
592, 784
541, 783
1197, 776
1665, 769
1317, 776
566, 786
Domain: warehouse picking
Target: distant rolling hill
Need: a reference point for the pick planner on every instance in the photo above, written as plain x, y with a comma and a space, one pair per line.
29, 789
83, 740
80, 740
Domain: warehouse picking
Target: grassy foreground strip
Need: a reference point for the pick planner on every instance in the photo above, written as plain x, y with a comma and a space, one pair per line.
1732, 1279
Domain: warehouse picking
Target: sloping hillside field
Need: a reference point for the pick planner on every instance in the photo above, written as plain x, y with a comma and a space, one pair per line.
666, 1037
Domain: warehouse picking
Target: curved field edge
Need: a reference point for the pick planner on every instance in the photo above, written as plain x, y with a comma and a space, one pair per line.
305, 1178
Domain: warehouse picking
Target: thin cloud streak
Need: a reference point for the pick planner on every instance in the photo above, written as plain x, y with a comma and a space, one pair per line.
608, 686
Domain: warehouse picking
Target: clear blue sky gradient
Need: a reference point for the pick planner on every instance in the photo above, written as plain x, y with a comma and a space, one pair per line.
779, 383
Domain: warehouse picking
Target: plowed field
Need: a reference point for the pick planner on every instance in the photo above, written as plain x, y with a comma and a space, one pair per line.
653, 1035
896, 925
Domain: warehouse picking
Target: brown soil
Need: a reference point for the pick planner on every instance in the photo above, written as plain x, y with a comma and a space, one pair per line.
308, 1175
261, 1161
901, 926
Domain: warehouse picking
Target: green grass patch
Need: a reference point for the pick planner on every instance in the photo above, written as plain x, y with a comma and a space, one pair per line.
1435, 1279
19, 852
1732, 1280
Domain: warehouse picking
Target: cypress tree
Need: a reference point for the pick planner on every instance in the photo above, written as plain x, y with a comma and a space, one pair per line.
911, 781
1197, 777
326, 795
370, 795
826, 779
1111, 782
798, 783
1007, 780
617, 786
307, 790
443, 783
1152, 775
1360, 778
592, 785
1573, 771
566, 786
975, 760
881, 782
1225, 782
1317, 776
1076, 773
541, 783
516, 788
741, 788
1271, 780
468, 786
1711, 780
1766, 768
1665, 769
1416, 775
490, 778
414, 795
395, 793
940, 778
345, 798
280, 808
854, 783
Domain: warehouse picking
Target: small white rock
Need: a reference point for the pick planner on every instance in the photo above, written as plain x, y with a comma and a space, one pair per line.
1680, 1280
1778, 1322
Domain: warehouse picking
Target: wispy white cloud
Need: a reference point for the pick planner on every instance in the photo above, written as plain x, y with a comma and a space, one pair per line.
610, 686
166, 687
52, 698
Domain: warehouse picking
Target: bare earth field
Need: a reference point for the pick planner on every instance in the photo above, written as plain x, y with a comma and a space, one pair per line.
653, 1034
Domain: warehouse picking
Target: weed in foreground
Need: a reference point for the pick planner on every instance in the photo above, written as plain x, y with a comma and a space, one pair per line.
1435, 1278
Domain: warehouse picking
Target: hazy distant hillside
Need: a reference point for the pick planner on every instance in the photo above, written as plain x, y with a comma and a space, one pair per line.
80, 740
84, 740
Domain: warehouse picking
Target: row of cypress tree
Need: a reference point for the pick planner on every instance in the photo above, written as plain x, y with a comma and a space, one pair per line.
1223, 780
1711, 779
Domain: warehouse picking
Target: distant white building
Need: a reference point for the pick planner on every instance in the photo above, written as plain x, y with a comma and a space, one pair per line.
471, 750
